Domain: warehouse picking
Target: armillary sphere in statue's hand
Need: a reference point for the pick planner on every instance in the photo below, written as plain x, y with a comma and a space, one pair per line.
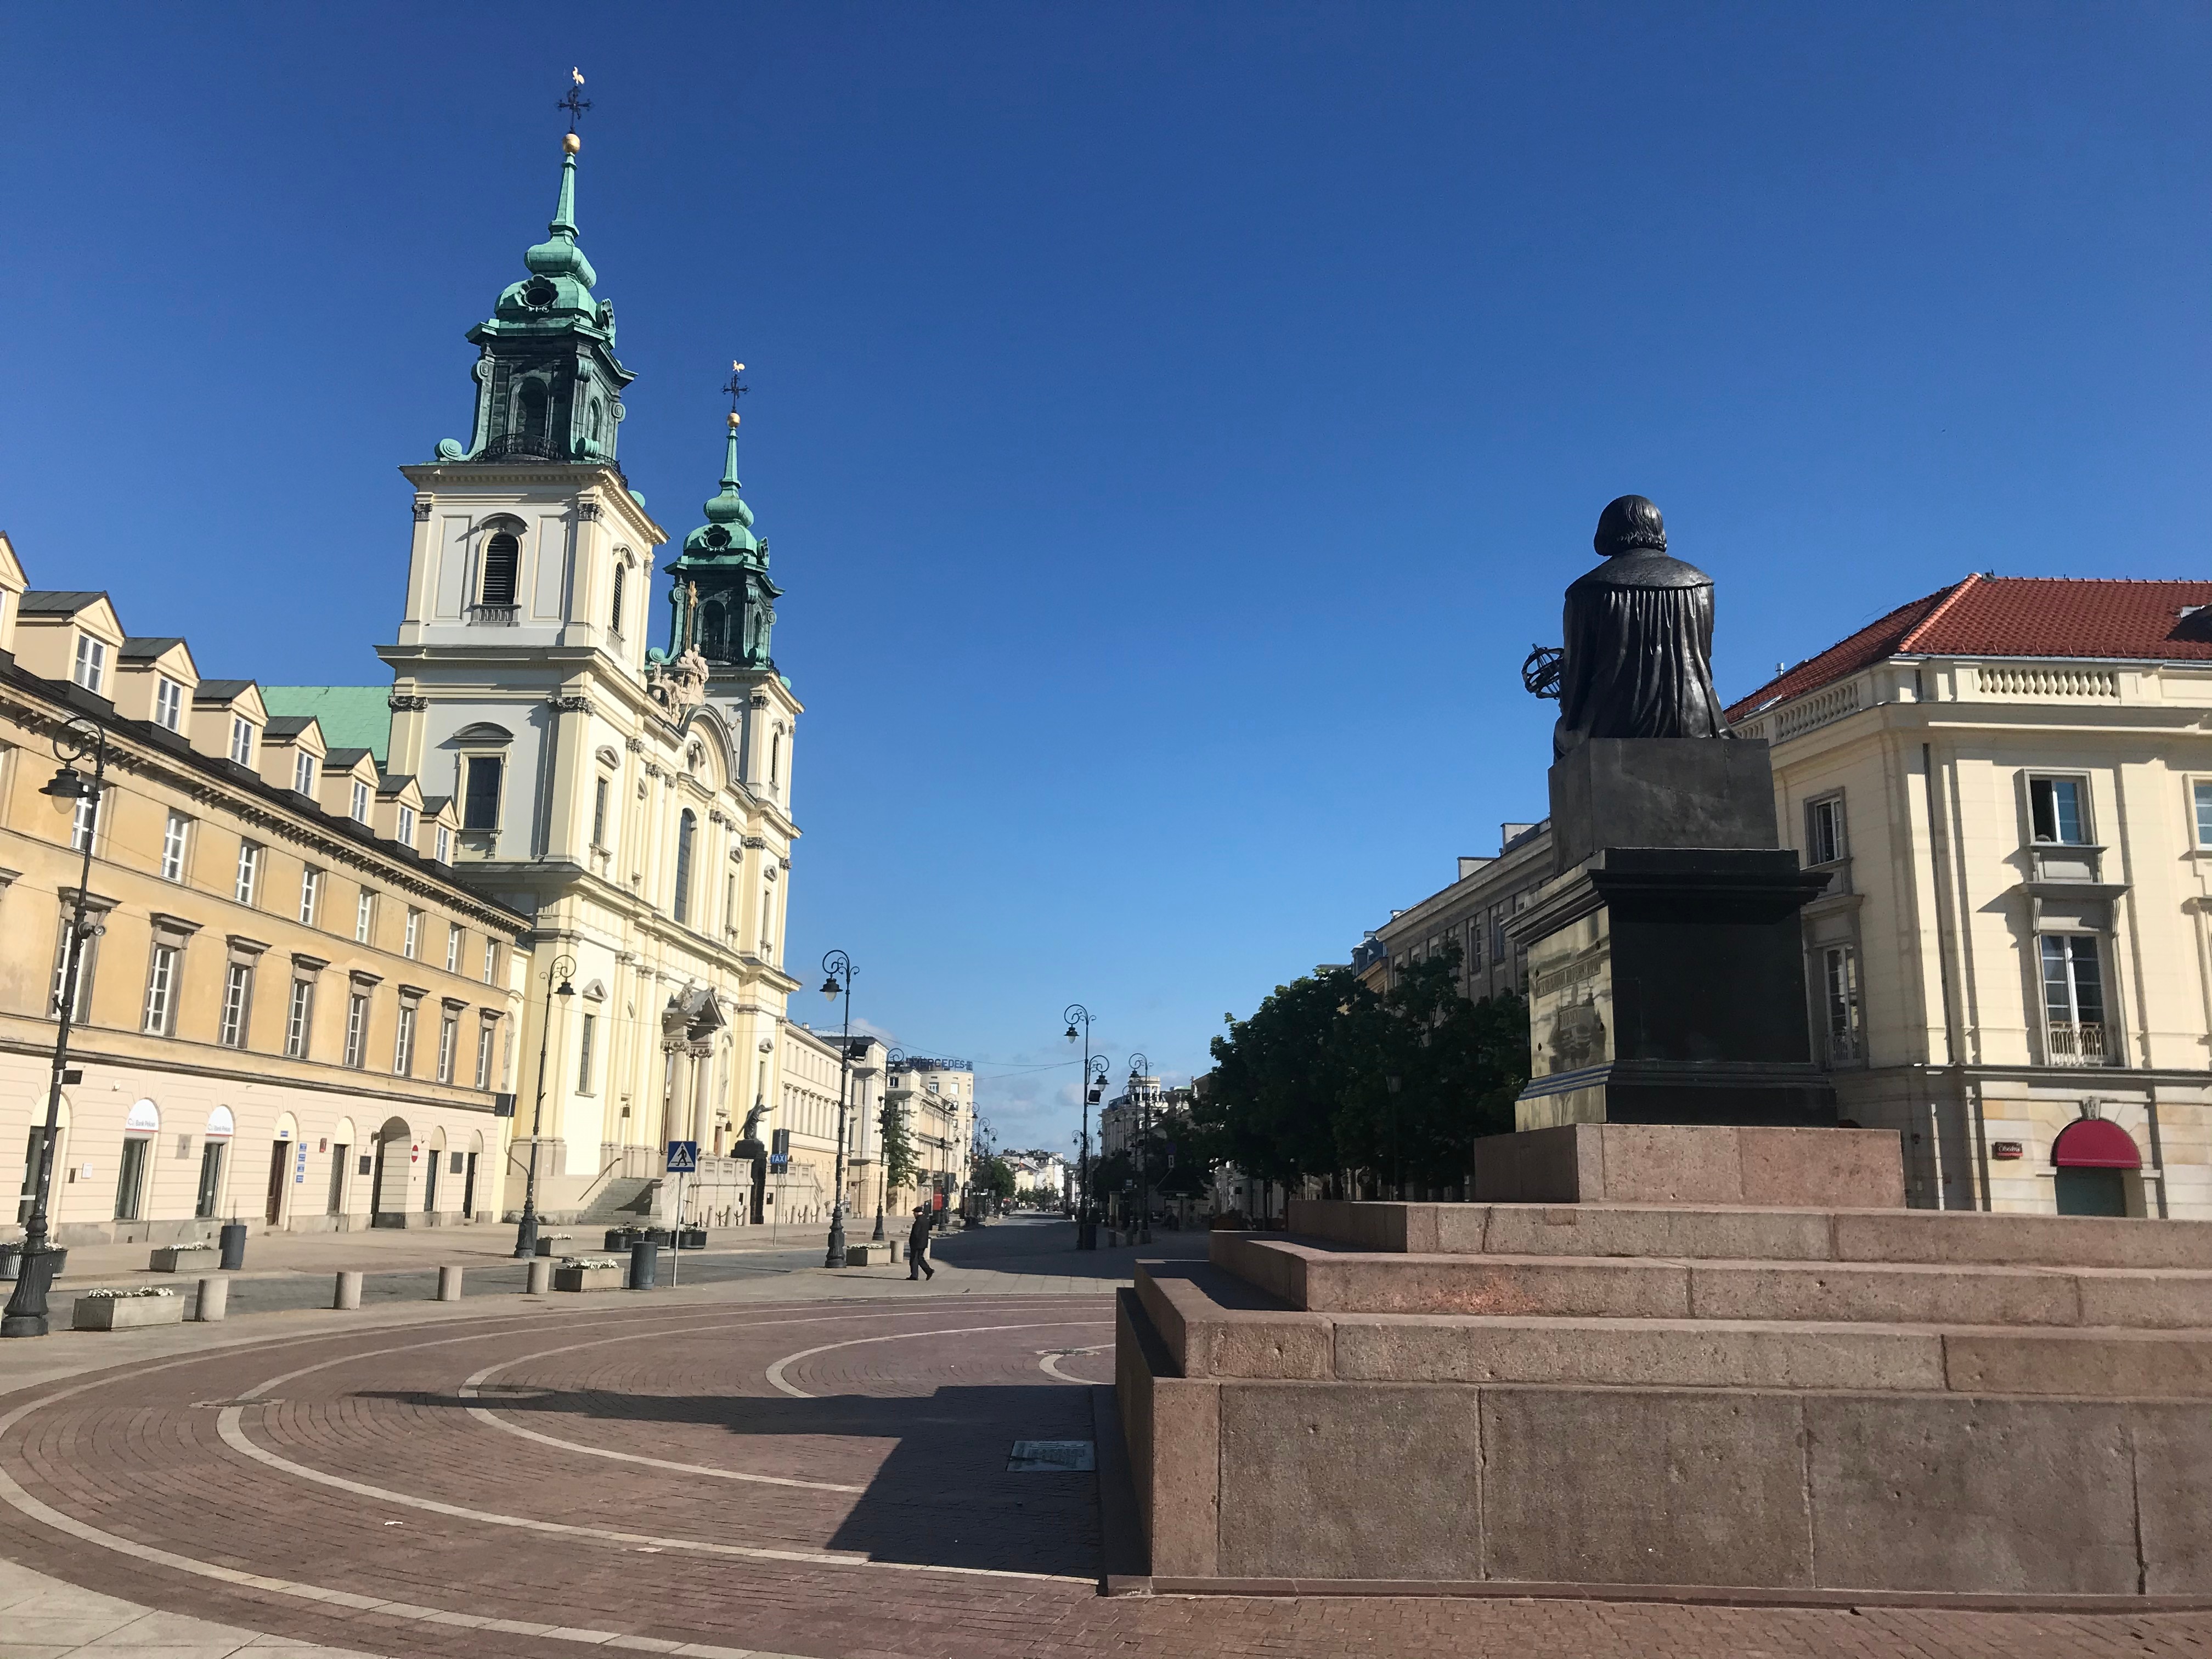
1541, 671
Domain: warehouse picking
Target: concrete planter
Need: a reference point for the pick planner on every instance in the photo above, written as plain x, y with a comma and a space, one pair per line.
126, 1313
587, 1279
170, 1258
867, 1255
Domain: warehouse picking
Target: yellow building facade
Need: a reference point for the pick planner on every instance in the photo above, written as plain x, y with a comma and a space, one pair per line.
290, 1011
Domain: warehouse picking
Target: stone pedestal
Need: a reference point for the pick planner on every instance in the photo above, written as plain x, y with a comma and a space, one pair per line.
1677, 1163
1666, 965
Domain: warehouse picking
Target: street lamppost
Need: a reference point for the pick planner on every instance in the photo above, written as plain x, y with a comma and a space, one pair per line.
1086, 1224
525, 1231
838, 968
1139, 1068
27, 1303
893, 1061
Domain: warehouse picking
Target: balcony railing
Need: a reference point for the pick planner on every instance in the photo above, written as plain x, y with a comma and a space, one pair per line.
493, 615
2077, 1043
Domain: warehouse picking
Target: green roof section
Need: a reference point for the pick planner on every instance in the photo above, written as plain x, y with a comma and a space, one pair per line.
351, 716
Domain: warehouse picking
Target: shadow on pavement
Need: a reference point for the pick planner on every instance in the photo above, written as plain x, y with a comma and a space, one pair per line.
1046, 1247
943, 1495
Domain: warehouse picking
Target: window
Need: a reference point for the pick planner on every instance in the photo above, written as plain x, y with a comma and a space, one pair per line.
584, 1055
360, 801
90, 668
1823, 830
364, 916
311, 892
168, 703
615, 621
2202, 795
444, 855
160, 991
249, 872
173, 846
2055, 804
775, 759
237, 1000
687, 829
484, 1054
88, 953
131, 1177
491, 958
411, 941
299, 1016
449, 1039
480, 792
600, 812
357, 1037
242, 735
407, 827
84, 823
502, 559
453, 947
211, 1161
1839, 988
403, 1047
2074, 998
303, 773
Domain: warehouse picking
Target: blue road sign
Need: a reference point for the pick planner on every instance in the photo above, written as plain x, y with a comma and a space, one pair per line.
683, 1157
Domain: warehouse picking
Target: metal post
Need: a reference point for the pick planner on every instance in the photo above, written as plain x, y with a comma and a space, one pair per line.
838, 968
1086, 1224
1141, 1098
26, 1305
525, 1231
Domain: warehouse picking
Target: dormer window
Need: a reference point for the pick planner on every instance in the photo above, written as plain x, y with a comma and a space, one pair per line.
407, 827
90, 668
242, 735
168, 703
360, 800
303, 773
444, 855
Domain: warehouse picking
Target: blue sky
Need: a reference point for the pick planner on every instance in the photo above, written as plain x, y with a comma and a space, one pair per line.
1173, 424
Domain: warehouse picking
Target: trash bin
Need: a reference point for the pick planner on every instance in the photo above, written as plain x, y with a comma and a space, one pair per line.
234, 1246
644, 1264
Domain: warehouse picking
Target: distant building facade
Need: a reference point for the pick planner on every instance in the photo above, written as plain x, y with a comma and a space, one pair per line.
2010, 783
1472, 914
935, 1095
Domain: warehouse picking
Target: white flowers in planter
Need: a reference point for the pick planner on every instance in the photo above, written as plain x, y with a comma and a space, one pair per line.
590, 1263
117, 1295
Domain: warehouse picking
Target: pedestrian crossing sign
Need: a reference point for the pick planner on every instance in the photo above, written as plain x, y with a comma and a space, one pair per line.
683, 1157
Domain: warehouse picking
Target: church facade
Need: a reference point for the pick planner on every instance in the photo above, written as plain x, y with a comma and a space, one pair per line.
634, 803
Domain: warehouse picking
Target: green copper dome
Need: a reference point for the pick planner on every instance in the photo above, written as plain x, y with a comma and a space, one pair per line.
722, 603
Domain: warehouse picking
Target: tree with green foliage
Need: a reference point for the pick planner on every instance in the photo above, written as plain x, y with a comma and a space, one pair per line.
995, 1177
901, 1166
1303, 1087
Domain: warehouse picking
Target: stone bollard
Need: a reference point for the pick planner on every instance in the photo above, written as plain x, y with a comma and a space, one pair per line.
213, 1301
348, 1292
541, 1276
449, 1284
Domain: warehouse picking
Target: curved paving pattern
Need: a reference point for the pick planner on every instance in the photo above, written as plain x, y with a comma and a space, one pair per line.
824, 1479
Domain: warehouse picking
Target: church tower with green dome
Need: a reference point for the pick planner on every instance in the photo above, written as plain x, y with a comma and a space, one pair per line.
548, 385
722, 604
635, 804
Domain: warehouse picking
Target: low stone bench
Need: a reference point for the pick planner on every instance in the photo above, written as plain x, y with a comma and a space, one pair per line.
126, 1313
589, 1279
174, 1258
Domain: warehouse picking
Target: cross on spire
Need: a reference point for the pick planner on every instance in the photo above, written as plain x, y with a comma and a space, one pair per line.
736, 387
576, 103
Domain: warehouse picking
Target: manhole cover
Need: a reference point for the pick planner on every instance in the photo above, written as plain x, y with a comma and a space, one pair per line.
1051, 1456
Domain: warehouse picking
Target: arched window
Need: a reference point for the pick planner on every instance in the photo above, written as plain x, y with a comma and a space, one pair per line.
775, 760
687, 828
502, 558
710, 628
530, 411
591, 422
614, 622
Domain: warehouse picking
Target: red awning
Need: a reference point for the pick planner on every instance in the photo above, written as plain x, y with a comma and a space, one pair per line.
2091, 1143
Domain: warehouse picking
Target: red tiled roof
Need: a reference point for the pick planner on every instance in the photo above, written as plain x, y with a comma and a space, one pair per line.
2016, 617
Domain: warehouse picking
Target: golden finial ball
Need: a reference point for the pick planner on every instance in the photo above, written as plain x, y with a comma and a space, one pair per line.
733, 420
571, 144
